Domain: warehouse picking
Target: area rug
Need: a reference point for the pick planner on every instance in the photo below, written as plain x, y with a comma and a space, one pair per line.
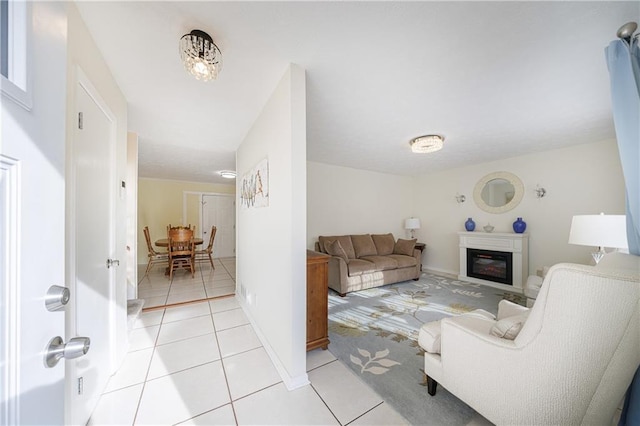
375, 333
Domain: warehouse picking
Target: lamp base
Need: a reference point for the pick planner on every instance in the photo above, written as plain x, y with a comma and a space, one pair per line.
598, 255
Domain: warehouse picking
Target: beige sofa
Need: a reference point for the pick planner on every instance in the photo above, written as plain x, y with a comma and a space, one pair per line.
364, 261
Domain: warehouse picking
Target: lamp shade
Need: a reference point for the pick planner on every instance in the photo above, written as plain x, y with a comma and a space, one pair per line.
412, 223
599, 230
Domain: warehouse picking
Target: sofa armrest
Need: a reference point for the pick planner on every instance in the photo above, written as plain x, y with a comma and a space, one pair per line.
508, 309
338, 274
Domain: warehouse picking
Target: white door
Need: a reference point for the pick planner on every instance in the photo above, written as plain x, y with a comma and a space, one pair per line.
220, 211
32, 226
91, 231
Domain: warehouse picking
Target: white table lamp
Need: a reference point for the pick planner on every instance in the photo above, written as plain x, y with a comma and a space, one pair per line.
599, 230
412, 224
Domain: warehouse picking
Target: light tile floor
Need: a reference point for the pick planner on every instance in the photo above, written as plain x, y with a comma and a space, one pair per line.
157, 290
202, 363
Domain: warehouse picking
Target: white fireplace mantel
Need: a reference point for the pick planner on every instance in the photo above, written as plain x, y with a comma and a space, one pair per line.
517, 244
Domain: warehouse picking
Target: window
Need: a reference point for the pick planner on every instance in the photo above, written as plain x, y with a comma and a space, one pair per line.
14, 50
4, 38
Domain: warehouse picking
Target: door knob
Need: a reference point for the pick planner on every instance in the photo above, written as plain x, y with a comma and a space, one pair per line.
57, 349
56, 298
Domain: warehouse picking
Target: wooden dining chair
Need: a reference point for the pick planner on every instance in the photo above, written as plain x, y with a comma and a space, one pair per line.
154, 256
207, 253
181, 250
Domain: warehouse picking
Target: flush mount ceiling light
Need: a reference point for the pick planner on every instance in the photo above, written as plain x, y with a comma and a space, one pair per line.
427, 143
200, 55
227, 174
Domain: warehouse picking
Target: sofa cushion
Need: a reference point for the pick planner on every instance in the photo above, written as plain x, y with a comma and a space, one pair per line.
382, 263
404, 261
384, 243
345, 242
334, 248
363, 245
359, 267
508, 328
404, 247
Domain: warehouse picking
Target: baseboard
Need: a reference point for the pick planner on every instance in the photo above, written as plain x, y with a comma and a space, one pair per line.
442, 272
290, 382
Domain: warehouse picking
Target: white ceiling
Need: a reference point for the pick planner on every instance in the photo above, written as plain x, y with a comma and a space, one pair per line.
497, 79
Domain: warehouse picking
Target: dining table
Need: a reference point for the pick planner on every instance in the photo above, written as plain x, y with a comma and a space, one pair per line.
164, 242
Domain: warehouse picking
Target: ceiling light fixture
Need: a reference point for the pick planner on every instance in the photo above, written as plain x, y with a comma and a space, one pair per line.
200, 55
227, 174
426, 144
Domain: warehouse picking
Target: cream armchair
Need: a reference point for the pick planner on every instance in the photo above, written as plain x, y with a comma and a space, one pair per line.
570, 363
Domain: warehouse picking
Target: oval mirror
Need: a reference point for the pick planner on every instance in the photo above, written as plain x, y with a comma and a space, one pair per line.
498, 192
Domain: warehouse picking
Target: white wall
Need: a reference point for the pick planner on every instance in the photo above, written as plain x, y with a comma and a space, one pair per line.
271, 255
583, 179
349, 201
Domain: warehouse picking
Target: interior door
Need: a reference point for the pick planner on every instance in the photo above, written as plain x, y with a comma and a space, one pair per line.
220, 211
92, 233
32, 222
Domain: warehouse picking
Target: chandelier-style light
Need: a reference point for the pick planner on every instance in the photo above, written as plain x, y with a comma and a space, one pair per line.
200, 55
427, 143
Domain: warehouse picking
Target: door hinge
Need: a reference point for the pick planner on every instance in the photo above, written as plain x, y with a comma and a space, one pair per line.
80, 121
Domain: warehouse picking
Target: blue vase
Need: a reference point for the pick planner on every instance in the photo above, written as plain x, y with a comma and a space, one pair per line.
469, 225
519, 226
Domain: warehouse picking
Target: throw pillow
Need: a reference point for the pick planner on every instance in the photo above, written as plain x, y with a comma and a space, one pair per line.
334, 248
508, 328
405, 247
384, 244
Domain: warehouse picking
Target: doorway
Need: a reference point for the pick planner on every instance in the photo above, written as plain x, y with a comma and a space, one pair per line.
219, 210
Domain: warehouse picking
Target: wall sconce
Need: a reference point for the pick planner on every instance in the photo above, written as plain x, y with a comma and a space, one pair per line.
540, 191
460, 198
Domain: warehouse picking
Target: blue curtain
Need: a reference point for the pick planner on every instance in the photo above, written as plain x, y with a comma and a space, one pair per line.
624, 69
623, 61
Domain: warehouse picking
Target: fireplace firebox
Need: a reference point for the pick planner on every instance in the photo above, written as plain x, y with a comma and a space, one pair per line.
490, 265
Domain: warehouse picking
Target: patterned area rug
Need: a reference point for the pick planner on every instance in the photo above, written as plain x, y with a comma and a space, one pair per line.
375, 333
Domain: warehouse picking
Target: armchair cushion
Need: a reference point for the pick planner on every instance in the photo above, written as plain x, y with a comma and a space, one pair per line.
429, 336
508, 309
508, 328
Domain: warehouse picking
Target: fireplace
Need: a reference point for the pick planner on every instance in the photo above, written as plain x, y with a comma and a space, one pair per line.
490, 265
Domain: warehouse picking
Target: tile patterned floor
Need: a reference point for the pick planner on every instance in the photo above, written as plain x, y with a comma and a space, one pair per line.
157, 290
202, 363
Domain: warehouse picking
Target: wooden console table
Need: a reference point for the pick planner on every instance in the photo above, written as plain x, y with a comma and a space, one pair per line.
317, 300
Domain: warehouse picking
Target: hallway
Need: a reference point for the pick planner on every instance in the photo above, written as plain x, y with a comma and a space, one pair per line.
202, 363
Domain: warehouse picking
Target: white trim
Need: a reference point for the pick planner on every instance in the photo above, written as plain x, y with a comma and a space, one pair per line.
18, 86
10, 169
291, 383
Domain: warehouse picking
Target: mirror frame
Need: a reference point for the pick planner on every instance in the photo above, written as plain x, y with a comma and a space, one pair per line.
513, 180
